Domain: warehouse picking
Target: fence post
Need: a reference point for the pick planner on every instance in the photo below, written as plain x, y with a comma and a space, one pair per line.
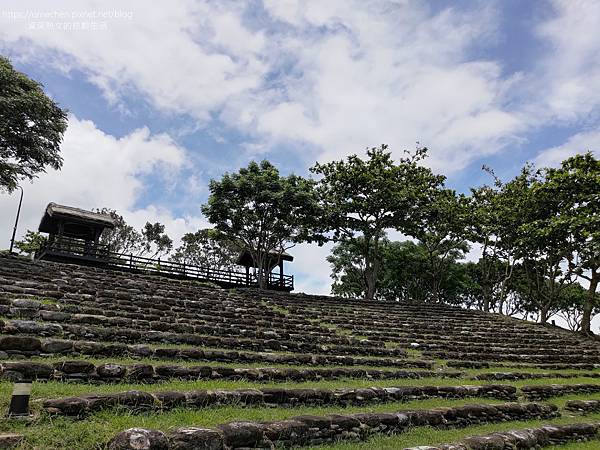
131, 260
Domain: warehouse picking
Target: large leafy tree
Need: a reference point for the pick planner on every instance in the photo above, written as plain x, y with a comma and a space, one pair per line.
259, 210
150, 242
571, 193
498, 213
442, 235
31, 128
362, 198
205, 248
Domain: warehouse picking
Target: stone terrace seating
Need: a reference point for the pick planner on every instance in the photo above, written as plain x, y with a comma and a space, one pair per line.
205, 367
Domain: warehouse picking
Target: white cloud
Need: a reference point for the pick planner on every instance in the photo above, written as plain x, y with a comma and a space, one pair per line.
185, 57
569, 82
101, 171
311, 270
578, 143
338, 76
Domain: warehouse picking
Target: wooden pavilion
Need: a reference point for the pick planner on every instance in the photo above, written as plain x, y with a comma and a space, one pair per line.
73, 234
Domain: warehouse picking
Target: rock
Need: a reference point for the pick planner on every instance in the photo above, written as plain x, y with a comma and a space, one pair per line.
192, 438
54, 316
57, 346
73, 367
26, 303
140, 371
139, 439
241, 434
27, 369
69, 406
170, 400
37, 328
24, 343
140, 350
109, 370
10, 440
136, 399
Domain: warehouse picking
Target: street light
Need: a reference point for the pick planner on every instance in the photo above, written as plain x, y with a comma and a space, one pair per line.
12, 241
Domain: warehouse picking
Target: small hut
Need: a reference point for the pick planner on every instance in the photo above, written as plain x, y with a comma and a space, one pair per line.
275, 259
73, 233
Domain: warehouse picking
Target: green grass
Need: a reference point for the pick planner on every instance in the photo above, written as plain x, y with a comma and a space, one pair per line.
47, 432
185, 362
276, 308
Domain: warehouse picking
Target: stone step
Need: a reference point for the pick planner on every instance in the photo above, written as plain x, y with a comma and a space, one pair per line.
317, 430
583, 406
27, 346
527, 438
112, 372
141, 336
543, 392
137, 401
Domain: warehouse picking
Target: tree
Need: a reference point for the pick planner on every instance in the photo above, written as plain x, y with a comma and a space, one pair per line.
31, 128
258, 210
498, 214
31, 242
361, 199
572, 193
151, 241
205, 248
540, 284
403, 275
442, 235
572, 302
347, 269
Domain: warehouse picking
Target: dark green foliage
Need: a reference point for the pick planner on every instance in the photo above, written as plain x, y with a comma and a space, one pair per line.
568, 219
31, 242
362, 198
404, 276
151, 241
261, 211
31, 128
206, 248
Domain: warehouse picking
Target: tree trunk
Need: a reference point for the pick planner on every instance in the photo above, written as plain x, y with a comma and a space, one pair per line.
544, 314
486, 293
371, 270
588, 307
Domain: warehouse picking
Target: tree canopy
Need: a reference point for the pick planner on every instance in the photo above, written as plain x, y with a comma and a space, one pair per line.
259, 210
206, 248
150, 242
31, 128
362, 198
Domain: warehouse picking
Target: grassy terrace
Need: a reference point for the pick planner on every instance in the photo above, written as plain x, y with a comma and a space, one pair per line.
59, 432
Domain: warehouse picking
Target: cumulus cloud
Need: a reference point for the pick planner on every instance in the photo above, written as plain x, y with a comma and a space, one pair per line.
337, 76
150, 50
578, 143
101, 170
569, 78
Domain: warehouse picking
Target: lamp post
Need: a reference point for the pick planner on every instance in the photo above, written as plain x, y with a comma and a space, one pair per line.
12, 241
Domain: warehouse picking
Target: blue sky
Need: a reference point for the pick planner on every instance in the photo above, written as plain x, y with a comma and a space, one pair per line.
163, 99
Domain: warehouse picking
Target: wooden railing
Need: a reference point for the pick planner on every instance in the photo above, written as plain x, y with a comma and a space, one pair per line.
101, 254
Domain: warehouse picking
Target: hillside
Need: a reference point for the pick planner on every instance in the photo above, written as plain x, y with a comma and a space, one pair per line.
190, 365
